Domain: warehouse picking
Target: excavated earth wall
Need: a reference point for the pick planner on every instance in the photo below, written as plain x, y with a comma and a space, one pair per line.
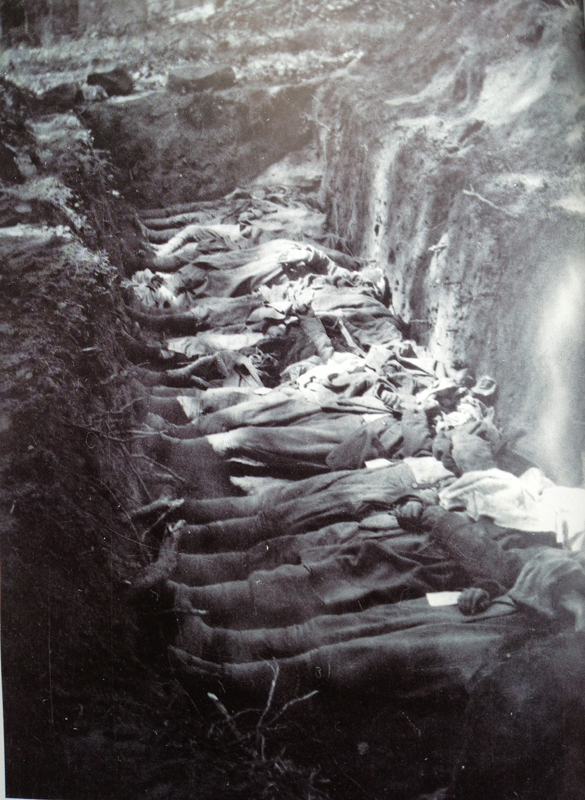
455, 158
172, 147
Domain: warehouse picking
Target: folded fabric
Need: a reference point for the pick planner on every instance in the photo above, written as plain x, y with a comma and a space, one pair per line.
427, 470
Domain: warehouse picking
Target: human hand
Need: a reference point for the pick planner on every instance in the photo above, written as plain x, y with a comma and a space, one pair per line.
432, 515
409, 514
473, 601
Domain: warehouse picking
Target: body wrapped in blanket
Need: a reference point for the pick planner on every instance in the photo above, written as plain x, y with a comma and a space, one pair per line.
404, 650
297, 374
418, 651
350, 581
309, 504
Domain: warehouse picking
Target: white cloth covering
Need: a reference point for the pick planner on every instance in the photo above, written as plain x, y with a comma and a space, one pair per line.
530, 502
427, 469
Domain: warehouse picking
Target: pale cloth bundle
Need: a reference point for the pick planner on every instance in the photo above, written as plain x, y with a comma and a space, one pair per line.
531, 502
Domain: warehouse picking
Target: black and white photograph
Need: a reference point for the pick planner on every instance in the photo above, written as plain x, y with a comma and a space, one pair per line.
292, 316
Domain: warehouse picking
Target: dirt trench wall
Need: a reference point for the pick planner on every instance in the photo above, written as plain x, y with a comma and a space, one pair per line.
171, 148
70, 640
455, 159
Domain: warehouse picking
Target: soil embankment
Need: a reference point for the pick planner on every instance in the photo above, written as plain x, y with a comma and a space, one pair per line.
462, 172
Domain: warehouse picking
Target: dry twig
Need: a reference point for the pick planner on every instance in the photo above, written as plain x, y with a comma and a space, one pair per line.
488, 203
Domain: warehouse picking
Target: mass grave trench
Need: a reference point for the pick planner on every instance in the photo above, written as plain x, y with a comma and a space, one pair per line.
360, 722
381, 171
464, 183
339, 715
379, 209
71, 555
